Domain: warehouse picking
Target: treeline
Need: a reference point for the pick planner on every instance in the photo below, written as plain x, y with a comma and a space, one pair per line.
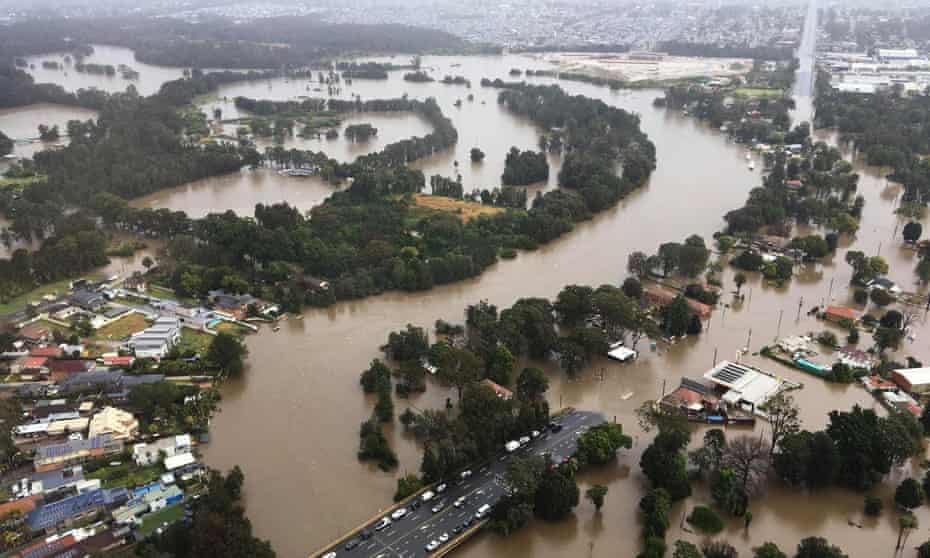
264, 107
822, 194
17, 88
76, 247
100, 69
524, 167
365, 70
223, 43
709, 50
889, 128
746, 119
218, 527
418, 77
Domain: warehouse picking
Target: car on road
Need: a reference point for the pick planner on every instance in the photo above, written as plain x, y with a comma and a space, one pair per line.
534, 434
383, 524
468, 522
555, 427
465, 474
444, 538
524, 440
414, 505
399, 513
427, 496
365, 535
512, 446
439, 507
460, 501
330, 554
441, 488
457, 529
353, 542
432, 545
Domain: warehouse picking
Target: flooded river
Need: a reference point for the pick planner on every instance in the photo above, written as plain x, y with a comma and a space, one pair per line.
292, 421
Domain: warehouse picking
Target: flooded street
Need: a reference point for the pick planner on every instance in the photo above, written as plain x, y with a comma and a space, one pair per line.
292, 422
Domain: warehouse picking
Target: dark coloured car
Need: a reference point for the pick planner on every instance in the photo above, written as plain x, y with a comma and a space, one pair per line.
457, 529
365, 535
555, 427
354, 542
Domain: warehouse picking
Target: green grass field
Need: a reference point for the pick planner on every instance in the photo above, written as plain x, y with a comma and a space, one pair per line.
123, 327
193, 340
126, 475
19, 302
154, 520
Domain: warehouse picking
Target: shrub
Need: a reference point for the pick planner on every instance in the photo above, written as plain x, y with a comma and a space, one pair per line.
873, 506
860, 296
706, 520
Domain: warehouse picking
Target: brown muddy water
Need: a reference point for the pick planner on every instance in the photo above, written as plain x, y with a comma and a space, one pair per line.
292, 421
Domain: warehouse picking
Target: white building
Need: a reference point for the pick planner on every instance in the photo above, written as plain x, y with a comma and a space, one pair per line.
158, 340
146, 454
745, 388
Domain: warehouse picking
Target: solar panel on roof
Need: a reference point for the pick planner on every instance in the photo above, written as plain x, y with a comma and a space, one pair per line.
730, 373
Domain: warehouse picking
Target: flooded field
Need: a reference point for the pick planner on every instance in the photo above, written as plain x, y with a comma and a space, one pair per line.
292, 421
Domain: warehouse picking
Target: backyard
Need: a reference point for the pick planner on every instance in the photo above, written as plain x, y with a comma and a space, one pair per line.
123, 327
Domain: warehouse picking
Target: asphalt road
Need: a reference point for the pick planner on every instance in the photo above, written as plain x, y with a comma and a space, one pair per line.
408, 537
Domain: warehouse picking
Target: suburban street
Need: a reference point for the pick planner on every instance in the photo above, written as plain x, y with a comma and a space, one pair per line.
407, 537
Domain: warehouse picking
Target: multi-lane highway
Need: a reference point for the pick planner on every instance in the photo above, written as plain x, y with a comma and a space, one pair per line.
408, 536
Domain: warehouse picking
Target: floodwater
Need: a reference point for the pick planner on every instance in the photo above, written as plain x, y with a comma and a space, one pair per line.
240, 191
149, 80
21, 124
292, 421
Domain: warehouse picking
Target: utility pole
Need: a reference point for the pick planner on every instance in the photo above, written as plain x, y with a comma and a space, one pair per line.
830, 292
715, 348
778, 329
800, 304
749, 340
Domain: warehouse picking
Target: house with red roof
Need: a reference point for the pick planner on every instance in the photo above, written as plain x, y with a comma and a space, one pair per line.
839, 313
62, 369
50, 352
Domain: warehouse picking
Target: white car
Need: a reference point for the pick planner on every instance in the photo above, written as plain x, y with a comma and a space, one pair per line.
534, 434
465, 474
438, 507
399, 513
428, 495
329, 555
443, 538
432, 545
459, 502
441, 488
524, 440
382, 525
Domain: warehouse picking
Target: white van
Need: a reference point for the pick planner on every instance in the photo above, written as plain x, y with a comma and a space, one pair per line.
427, 496
482, 511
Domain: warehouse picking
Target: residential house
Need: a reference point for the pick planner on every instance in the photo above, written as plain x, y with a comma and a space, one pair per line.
91, 301
855, 358
118, 361
146, 454
136, 282
157, 340
839, 314
692, 397
72, 509
743, 386
48, 352
31, 367
498, 389
915, 381
49, 481
179, 461
885, 284
661, 296
117, 423
62, 454
61, 369
34, 334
